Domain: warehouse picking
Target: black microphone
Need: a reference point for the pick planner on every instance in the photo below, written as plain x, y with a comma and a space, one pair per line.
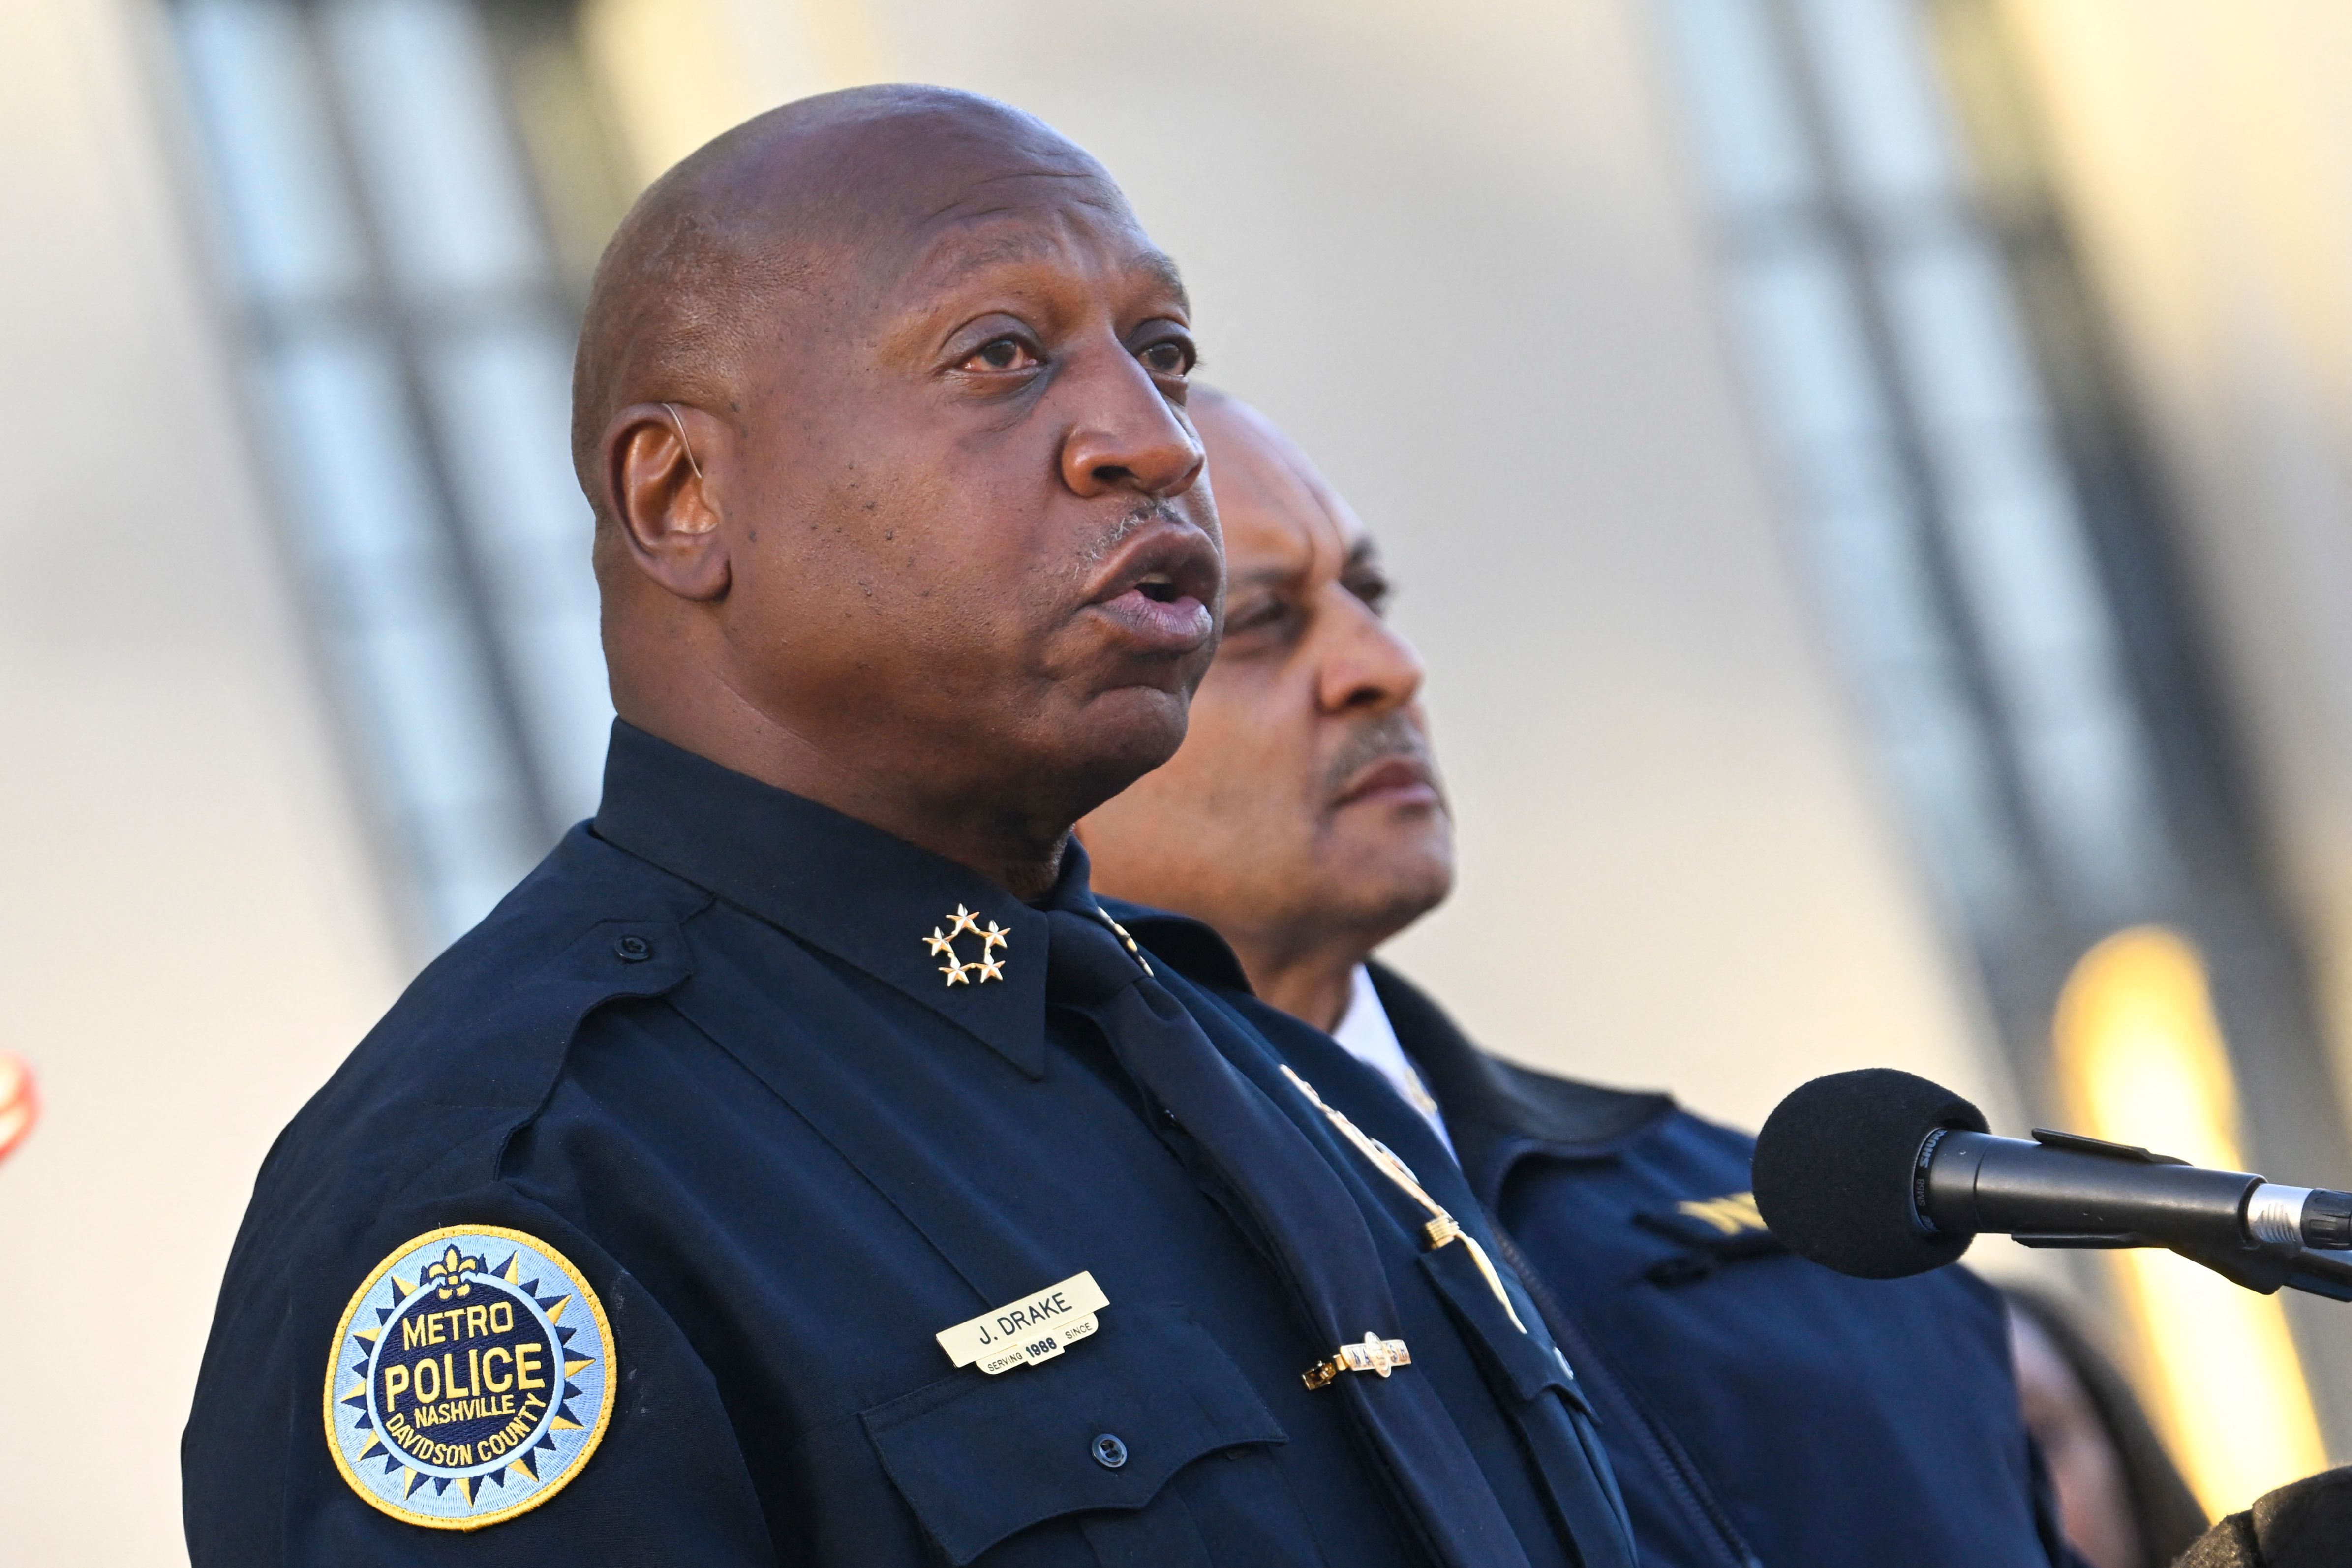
1880, 1173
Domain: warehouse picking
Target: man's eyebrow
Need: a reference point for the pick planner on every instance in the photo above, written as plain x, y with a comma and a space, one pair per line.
1163, 266
1366, 552
1260, 576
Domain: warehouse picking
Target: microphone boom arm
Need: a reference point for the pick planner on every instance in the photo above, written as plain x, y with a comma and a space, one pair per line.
2253, 1233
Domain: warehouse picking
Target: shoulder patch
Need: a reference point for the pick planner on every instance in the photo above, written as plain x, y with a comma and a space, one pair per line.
471, 1379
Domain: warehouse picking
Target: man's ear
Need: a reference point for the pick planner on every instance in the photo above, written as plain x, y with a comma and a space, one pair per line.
663, 462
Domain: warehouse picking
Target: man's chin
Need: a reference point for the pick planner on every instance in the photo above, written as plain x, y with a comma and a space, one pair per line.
1120, 736
1395, 862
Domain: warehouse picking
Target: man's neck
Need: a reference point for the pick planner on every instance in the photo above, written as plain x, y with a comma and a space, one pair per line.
1313, 987
1009, 847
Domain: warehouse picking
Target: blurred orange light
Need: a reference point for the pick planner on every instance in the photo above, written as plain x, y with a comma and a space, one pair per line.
20, 1105
2140, 1059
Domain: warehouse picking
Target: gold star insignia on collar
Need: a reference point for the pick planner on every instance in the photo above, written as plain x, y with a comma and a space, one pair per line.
958, 972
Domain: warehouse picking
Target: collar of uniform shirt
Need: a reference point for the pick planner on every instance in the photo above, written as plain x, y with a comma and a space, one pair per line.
837, 884
1366, 1033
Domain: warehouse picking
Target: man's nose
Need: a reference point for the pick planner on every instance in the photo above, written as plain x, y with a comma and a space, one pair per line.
1369, 667
1125, 435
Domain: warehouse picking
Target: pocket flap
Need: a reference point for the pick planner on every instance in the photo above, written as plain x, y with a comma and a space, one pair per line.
980, 1457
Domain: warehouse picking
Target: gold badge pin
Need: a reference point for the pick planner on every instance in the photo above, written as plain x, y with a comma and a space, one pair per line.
959, 971
1120, 932
1443, 1229
1375, 1355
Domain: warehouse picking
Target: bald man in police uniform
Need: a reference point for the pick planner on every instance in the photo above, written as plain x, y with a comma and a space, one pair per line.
1758, 1407
800, 1166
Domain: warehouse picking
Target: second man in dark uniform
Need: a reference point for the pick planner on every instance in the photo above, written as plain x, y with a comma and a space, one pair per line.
1759, 1408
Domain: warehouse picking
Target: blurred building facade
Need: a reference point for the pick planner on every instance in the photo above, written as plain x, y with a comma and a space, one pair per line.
1994, 542
1870, 478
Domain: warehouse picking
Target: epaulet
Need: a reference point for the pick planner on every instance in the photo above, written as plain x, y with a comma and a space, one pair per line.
477, 1041
1190, 948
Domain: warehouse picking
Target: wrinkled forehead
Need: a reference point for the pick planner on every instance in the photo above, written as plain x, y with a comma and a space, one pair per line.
1031, 224
913, 201
1279, 515
1045, 225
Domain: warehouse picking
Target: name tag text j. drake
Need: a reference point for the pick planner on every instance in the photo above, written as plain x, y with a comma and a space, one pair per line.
1035, 1327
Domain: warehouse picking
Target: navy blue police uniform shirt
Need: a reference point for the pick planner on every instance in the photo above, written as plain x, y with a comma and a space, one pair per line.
1757, 1408
625, 1237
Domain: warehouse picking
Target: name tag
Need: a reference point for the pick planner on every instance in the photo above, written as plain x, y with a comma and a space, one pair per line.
1035, 1327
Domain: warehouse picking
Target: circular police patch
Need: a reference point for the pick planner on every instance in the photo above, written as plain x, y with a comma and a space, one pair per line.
471, 1377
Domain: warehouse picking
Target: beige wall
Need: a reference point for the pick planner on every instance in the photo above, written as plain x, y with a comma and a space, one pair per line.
193, 932
1453, 248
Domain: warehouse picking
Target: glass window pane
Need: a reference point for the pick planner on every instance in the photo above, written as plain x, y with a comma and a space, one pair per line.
394, 607
1745, 116
431, 137
413, 375
1876, 89
1809, 346
256, 97
504, 398
1949, 305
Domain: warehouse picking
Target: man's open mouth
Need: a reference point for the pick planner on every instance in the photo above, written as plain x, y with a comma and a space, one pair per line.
1158, 589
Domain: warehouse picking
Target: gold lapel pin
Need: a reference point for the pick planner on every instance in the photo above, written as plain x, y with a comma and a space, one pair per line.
1374, 1355
959, 972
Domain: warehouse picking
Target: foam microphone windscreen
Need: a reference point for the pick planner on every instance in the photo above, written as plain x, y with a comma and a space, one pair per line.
1833, 1171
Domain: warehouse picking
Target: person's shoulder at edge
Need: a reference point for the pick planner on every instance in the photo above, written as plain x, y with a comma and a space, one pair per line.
1685, 1156
404, 1145
1571, 1115
1517, 1108
1568, 1108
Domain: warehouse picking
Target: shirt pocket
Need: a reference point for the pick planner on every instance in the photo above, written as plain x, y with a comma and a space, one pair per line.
1100, 1429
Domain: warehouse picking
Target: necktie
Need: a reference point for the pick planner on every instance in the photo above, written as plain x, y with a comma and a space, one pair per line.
1307, 1219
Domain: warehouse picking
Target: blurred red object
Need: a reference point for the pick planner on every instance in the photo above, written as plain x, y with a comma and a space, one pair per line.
20, 1105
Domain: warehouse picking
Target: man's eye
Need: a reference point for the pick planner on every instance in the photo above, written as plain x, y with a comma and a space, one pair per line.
1372, 591
1167, 358
1249, 615
1001, 355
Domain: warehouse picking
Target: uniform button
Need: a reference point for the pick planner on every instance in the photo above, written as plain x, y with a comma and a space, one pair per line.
633, 950
1110, 1452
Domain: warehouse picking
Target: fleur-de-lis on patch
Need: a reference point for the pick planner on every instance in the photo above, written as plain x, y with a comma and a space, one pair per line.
449, 1274
980, 971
